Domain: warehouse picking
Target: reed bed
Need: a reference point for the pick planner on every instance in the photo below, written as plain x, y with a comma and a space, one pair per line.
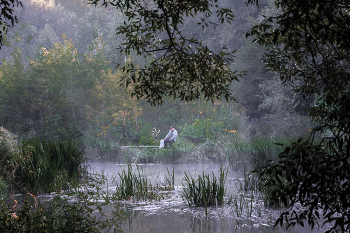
253, 184
47, 165
256, 152
135, 186
204, 192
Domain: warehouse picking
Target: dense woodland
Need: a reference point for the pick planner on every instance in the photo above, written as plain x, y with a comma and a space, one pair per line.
59, 79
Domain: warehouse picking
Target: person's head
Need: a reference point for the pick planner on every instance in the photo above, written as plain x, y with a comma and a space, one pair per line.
172, 128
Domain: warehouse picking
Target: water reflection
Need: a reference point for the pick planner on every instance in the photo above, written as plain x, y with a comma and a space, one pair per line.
141, 221
173, 213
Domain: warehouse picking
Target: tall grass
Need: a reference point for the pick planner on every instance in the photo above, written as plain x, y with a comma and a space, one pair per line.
134, 185
170, 178
105, 149
9, 152
203, 192
47, 165
250, 157
241, 154
131, 184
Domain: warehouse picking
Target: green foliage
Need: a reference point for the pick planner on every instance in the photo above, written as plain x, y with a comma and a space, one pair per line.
286, 111
7, 17
257, 151
179, 66
308, 41
202, 129
300, 46
328, 164
3, 189
147, 140
48, 165
203, 191
247, 91
241, 203
9, 153
48, 97
170, 178
135, 186
78, 211
145, 135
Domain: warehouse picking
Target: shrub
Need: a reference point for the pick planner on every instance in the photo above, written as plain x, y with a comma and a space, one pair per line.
202, 129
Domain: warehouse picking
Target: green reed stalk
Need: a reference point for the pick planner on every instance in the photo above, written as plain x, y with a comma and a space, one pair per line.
170, 178
203, 191
135, 186
47, 164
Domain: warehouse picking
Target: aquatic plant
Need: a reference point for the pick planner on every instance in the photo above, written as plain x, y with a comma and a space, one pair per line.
87, 208
9, 152
135, 186
242, 204
170, 178
104, 147
47, 165
252, 183
204, 192
241, 154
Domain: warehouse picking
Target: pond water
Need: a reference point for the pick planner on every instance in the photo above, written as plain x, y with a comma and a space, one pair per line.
173, 214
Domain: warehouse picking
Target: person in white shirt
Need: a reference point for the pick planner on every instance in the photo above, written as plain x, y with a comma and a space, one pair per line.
170, 137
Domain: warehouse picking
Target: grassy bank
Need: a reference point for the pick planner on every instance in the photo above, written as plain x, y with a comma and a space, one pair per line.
239, 153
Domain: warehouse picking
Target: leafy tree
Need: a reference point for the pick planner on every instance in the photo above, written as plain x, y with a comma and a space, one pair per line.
308, 44
286, 111
78, 6
249, 60
39, 25
111, 104
178, 66
13, 88
49, 98
7, 17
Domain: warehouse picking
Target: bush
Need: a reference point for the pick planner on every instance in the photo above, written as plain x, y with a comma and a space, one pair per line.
202, 129
145, 135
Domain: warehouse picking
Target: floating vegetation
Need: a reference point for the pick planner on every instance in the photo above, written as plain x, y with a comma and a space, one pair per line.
135, 186
204, 192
